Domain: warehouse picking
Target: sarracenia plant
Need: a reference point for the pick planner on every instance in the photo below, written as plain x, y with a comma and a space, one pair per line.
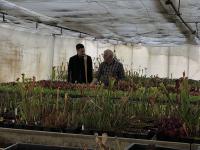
188, 112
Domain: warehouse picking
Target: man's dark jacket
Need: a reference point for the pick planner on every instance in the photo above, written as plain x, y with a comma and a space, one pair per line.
76, 69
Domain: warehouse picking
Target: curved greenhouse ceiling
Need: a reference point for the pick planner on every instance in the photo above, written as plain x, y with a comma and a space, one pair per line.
138, 21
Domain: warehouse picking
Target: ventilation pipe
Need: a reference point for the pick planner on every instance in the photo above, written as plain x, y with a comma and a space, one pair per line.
178, 14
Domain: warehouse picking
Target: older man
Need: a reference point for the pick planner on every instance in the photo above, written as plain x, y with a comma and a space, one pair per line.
109, 68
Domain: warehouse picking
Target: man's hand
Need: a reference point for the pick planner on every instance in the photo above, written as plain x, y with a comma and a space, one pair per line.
94, 82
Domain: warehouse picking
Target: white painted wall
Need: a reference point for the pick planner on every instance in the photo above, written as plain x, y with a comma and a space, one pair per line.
24, 52
158, 61
34, 54
162, 61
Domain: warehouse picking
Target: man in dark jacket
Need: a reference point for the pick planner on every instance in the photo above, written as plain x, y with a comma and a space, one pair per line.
80, 67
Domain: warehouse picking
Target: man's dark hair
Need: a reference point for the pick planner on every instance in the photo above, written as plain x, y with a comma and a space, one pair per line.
78, 46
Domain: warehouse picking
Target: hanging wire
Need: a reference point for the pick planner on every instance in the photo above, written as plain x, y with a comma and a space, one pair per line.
61, 31
179, 6
97, 48
80, 35
3, 17
197, 29
36, 25
169, 2
114, 48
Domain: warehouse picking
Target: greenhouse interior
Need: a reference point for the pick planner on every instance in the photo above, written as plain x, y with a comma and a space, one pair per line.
99, 75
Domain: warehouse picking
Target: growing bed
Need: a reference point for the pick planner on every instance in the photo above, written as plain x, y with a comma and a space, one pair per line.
139, 108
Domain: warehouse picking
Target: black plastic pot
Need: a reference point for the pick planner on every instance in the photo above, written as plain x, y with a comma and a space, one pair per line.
91, 131
87, 132
9, 116
77, 131
51, 129
19, 126
176, 139
29, 127
68, 130
1, 124
196, 141
135, 135
146, 134
55, 129
147, 147
38, 128
8, 125
4, 144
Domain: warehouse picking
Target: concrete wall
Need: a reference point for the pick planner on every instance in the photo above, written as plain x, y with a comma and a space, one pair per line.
34, 53
78, 140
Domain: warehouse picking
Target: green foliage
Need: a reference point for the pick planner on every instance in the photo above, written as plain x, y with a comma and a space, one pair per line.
101, 108
59, 73
188, 112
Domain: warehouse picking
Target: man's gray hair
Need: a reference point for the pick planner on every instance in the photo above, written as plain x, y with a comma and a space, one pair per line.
109, 52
